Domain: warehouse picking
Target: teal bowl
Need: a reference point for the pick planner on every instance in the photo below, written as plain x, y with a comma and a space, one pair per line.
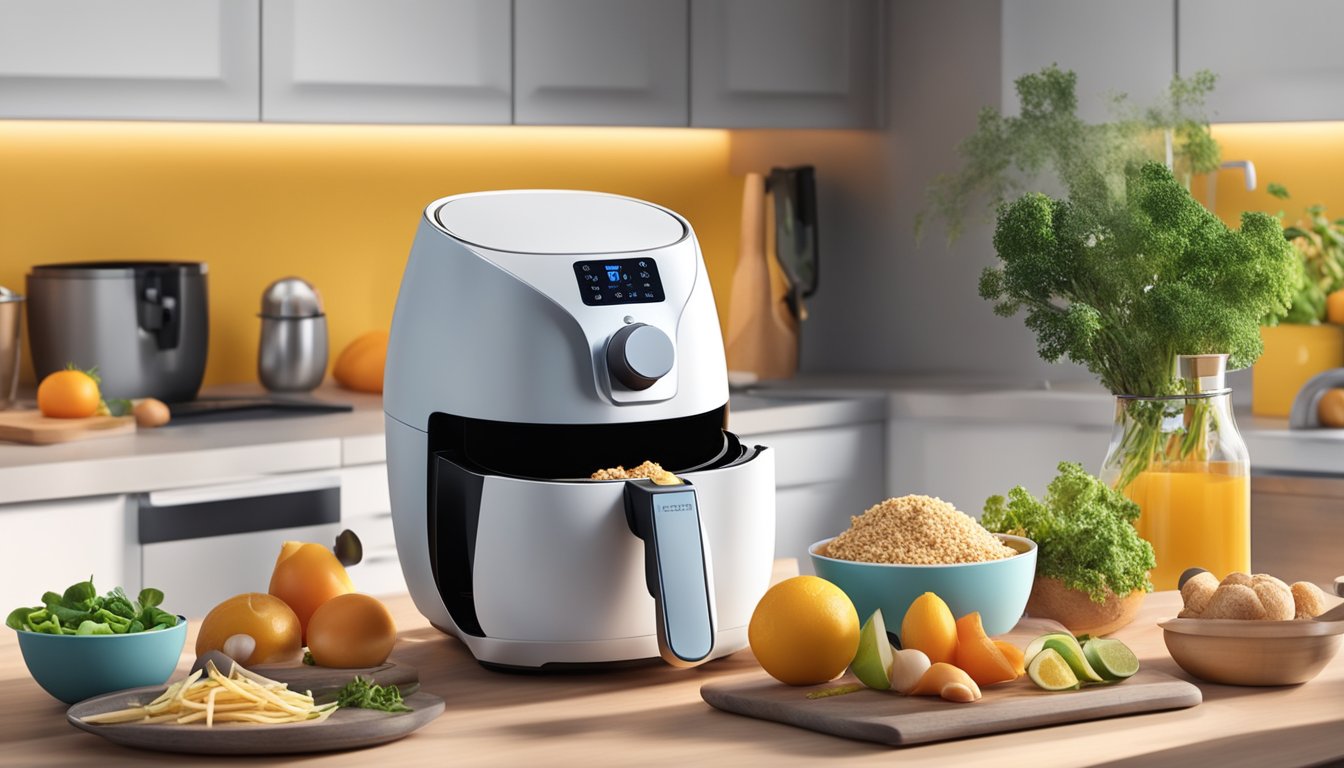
998, 589
74, 667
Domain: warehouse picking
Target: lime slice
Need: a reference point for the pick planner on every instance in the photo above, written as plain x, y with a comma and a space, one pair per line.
872, 662
1038, 645
1072, 653
1050, 671
1111, 658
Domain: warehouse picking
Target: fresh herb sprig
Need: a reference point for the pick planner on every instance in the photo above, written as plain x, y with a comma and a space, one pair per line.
1084, 533
80, 611
365, 694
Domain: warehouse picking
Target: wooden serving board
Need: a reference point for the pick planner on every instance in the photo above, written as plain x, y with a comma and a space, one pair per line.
345, 729
890, 718
35, 429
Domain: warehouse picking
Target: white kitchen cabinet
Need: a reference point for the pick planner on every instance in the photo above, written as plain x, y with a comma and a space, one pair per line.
366, 509
393, 61
1114, 48
822, 477
786, 63
140, 60
600, 62
1275, 61
966, 462
53, 544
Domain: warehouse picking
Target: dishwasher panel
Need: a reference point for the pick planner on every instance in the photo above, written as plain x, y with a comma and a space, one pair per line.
204, 545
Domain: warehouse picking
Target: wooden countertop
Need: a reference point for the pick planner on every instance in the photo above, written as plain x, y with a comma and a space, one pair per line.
654, 716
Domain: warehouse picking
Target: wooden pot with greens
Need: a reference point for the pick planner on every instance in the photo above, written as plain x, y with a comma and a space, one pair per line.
1157, 297
1091, 565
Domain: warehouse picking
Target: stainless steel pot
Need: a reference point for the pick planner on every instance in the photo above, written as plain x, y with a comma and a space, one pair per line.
144, 324
11, 322
292, 356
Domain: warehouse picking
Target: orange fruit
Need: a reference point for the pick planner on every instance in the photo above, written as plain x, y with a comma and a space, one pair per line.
351, 631
978, 655
360, 364
804, 631
307, 575
68, 394
1014, 656
928, 626
1334, 307
1330, 408
266, 618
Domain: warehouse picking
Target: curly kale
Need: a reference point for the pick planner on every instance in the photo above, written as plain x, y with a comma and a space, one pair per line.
1122, 287
1083, 530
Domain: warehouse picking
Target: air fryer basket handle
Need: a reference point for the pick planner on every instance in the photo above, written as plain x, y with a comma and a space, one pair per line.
675, 568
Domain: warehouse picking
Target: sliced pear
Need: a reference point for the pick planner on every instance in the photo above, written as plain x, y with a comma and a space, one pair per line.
872, 662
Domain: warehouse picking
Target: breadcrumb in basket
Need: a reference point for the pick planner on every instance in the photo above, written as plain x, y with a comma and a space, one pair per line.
649, 470
916, 530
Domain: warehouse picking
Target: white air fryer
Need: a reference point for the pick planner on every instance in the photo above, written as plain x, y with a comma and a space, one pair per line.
541, 335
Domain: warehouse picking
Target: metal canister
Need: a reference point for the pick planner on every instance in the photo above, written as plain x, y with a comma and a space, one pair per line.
293, 352
11, 323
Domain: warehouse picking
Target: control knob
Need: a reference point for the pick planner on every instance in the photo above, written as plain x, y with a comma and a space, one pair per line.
638, 355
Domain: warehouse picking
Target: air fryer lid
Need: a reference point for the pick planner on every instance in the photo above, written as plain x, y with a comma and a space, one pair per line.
106, 270
567, 223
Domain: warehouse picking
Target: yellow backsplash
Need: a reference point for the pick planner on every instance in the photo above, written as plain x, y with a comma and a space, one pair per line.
1307, 158
337, 205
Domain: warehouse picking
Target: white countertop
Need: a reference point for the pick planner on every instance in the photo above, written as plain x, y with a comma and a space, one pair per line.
1081, 405
188, 454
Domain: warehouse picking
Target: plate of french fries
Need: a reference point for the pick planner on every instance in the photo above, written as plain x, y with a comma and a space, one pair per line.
240, 712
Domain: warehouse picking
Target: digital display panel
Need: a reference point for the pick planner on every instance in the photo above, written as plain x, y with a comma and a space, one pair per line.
619, 281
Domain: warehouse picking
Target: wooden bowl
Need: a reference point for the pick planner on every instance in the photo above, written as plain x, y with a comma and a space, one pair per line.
1252, 652
1050, 599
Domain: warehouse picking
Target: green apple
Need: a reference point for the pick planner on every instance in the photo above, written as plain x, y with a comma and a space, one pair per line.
872, 662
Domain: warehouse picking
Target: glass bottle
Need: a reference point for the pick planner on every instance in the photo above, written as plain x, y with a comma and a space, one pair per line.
1182, 460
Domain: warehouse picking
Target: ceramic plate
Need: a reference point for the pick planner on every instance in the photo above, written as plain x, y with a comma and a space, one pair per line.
345, 729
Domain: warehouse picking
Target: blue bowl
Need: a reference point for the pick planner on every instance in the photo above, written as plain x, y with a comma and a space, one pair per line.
998, 589
74, 667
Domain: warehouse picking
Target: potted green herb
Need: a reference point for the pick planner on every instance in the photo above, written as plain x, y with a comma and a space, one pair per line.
1091, 566
1309, 339
1127, 274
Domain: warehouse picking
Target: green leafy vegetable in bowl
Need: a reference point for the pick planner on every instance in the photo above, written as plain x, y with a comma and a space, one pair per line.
365, 694
1084, 531
81, 611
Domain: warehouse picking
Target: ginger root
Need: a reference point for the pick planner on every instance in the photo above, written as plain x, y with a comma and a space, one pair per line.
1258, 597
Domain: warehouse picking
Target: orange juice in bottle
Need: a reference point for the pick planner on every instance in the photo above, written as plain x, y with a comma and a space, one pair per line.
1182, 460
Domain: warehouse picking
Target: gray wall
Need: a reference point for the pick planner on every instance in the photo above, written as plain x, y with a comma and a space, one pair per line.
886, 304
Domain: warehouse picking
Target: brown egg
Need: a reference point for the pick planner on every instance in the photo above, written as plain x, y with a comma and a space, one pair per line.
351, 631
151, 413
1330, 409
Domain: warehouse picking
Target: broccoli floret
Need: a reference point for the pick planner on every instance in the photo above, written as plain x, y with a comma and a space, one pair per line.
1123, 287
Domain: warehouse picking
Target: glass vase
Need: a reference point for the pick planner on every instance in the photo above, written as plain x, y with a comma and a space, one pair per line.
1182, 460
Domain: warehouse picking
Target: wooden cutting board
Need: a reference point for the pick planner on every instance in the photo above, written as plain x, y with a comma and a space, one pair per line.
889, 718
35, 429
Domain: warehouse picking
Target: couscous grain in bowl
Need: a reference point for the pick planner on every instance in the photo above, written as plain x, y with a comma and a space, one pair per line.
903, 547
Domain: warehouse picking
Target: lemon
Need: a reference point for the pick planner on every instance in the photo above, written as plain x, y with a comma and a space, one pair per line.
1050, 671
804, 631
1072, 653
